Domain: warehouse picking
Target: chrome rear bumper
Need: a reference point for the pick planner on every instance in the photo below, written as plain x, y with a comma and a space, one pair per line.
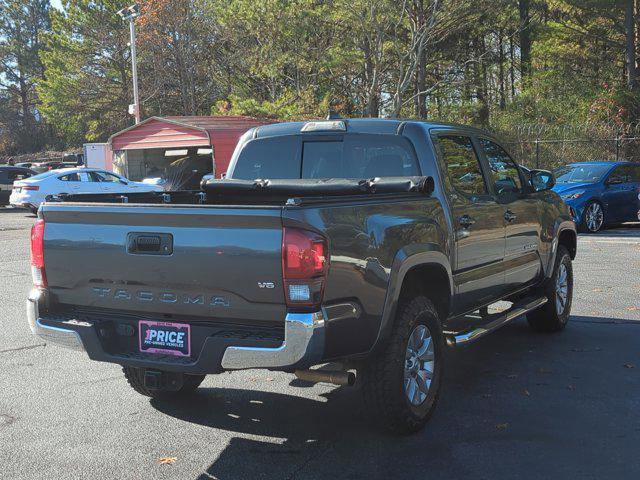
50, 334
303, 345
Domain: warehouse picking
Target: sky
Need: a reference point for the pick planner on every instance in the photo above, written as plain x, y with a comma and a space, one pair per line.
56, 4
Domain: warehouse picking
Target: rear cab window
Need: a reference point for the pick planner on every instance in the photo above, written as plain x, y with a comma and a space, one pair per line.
351, 156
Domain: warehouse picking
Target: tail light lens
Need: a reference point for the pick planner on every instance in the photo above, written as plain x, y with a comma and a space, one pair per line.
305, 262
37, 254
31, 187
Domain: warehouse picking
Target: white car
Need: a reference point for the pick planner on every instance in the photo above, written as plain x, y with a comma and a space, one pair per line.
31, 192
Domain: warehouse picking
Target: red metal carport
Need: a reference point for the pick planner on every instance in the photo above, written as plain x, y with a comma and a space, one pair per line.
136, 147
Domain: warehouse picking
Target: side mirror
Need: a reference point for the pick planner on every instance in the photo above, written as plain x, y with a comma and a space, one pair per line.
542, 180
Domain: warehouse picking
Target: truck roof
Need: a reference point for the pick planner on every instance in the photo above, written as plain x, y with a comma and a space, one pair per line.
358, 125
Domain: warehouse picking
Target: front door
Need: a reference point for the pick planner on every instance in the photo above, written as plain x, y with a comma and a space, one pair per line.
478, 224
522, 217
621, 194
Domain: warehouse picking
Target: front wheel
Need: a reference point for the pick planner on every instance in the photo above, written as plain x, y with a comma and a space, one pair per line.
592, 218
401, 385
554, 315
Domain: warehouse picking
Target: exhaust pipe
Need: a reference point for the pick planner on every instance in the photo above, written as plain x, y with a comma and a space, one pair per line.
327, 376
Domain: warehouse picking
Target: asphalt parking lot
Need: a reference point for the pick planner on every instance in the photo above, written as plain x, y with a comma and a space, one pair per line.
515, 405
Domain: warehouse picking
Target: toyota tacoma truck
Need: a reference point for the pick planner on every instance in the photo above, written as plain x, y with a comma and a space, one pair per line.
367, 245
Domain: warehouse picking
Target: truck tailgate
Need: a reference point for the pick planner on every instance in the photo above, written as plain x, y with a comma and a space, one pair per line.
213, 262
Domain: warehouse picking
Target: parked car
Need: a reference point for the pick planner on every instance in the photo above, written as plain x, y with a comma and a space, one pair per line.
366, 242
600, 193
8, 175
31, 192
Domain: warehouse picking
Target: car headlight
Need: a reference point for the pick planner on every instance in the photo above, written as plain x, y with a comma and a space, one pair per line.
573, 195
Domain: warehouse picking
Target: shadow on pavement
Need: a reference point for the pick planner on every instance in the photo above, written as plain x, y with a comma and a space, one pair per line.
16, 211
515, 404
627, 230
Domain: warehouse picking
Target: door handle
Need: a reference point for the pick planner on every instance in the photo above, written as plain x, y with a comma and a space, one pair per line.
466, 221
509, 216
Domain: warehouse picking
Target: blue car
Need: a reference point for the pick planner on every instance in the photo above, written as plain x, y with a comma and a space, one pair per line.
600, 193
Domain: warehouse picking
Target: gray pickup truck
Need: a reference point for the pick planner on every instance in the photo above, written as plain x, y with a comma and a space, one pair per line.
367, 245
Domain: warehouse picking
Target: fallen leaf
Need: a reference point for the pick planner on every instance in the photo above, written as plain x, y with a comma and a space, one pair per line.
633, 309
544, 370
513, 375
596, 290
486, 395
502, 426
571, 387
167, 460
526, 393
629, 365
269, 379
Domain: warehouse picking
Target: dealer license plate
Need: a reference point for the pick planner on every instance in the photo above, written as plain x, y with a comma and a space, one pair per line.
165, 337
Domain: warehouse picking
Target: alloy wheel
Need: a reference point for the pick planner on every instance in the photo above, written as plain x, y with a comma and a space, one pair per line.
562, 289
419, 365
595, 217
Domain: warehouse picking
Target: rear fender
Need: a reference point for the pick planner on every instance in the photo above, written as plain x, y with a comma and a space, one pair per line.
406, 259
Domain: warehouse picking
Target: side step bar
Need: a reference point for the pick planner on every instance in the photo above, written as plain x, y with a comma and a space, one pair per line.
465, 337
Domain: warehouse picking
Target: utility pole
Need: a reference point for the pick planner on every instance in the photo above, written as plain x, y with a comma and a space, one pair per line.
630, 33
130, 14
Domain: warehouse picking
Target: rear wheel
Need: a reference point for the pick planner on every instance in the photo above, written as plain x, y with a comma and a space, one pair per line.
136, 378
401, 385
554, 315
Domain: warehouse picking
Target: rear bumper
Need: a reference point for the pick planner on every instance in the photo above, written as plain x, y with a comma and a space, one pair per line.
303, 345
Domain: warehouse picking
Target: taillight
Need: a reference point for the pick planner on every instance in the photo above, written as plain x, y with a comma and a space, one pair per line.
37, 254
31, 187
305, 263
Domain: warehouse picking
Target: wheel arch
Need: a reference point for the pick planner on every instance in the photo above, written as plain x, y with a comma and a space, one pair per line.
417, 269
569, 239
566, 234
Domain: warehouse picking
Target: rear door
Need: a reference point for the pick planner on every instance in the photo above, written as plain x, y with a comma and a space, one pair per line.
72, 183
522, 216
478, 221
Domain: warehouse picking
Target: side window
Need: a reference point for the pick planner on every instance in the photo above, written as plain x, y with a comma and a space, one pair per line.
635, 172
71, 177
504, 172
103, 177
622, 174
462, 164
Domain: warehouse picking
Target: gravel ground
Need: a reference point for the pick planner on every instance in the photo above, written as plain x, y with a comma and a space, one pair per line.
515, 405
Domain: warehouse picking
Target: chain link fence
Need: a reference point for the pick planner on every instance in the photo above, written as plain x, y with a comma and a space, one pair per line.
550, 147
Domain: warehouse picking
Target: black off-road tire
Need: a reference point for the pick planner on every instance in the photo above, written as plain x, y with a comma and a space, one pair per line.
546, 318
382, 377
135, 377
